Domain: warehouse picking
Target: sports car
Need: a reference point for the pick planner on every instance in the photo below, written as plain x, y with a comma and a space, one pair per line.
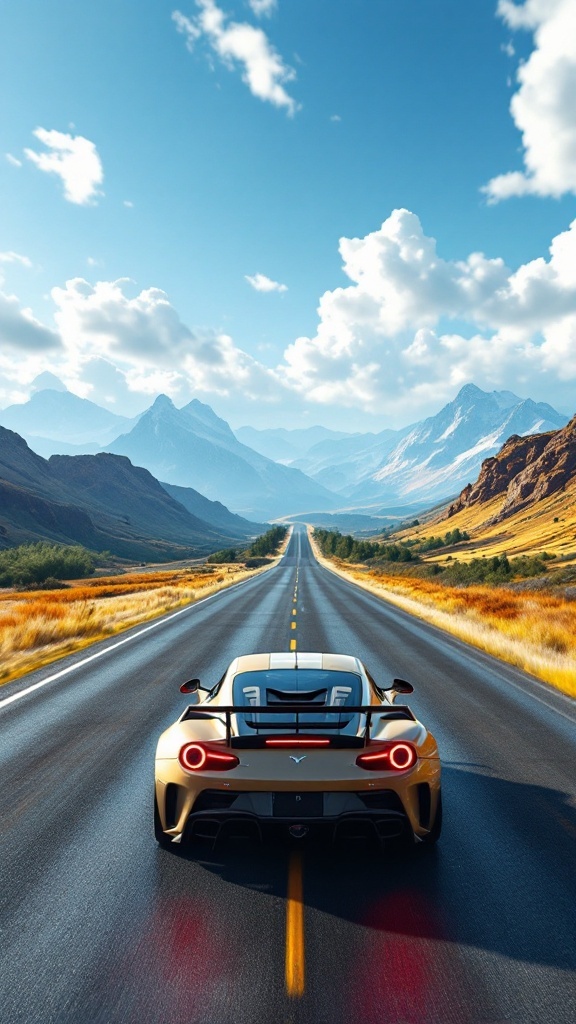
302, 743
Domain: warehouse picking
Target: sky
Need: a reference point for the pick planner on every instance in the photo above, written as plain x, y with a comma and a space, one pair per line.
296, 211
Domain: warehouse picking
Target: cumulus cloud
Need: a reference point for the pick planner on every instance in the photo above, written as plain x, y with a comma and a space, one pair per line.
239, 44
263, 7
384, 342
144, 336
20, 330
74, 160
261, 283
543, 105
406, 332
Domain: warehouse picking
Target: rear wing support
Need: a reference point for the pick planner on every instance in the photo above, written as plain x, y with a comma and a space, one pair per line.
224, 714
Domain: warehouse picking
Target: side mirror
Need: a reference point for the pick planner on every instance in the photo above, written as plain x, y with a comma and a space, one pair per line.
401, 686
192, 686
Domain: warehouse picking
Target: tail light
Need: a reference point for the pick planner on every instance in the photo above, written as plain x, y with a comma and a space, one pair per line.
293, 741
196, 757
397, 757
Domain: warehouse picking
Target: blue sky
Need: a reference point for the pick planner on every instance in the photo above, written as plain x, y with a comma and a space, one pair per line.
275, 206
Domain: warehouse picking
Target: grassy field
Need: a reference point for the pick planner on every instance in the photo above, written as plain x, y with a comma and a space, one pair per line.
536, 631
38, 627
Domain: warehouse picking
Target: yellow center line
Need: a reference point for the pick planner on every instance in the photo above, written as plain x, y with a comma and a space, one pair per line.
293, 611
295, 929
292, 645
292, 625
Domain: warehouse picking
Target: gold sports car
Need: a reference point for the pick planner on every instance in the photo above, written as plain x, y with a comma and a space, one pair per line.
299, 743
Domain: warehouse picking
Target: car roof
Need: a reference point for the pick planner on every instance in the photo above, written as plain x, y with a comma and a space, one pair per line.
296, 659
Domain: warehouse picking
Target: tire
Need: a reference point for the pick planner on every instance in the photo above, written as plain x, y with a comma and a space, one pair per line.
161, 838
434, 834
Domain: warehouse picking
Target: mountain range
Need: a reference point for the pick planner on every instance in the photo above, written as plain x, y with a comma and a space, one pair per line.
427, 461
105, 503
194, 447
312, 469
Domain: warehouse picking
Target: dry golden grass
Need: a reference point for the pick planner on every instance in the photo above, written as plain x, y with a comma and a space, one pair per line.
534, 631
38, 627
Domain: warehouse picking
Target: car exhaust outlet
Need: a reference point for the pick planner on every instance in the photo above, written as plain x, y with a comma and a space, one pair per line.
298, 831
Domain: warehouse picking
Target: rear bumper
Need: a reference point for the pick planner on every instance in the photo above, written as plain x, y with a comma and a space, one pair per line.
349, 825
216, 815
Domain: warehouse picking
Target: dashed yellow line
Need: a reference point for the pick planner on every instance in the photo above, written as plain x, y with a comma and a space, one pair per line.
292, 645
293, 611
295, 929
292, 625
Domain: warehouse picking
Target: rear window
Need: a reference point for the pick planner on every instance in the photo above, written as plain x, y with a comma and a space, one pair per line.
321, 691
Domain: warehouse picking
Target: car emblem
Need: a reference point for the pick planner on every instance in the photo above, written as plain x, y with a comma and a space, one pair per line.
297, 759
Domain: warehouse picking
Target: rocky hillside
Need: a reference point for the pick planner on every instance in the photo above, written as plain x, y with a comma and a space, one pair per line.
103, 502
525, 470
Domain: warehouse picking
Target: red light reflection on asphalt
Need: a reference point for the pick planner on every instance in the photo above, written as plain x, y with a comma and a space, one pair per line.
183, 959
408, 973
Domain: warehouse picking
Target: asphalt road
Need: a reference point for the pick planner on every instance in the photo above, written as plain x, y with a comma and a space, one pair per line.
100, 925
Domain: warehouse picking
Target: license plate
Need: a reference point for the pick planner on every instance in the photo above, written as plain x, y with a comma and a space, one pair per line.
298, 805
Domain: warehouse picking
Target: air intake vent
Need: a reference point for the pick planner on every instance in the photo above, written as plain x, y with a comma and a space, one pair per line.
215, 800
384, 800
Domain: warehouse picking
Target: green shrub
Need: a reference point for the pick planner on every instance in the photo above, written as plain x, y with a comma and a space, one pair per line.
226, 555
269, 542
36, 563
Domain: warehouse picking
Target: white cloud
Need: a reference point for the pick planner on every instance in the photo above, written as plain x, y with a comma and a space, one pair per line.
335, 118
74, 160
145, 338
408, 330
15, 257
21, 331
261, 283
13, 160
129, 204
383, 343
543, 105
243, 45
263, 7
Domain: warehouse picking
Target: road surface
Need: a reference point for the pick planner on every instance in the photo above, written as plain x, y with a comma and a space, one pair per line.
100, 926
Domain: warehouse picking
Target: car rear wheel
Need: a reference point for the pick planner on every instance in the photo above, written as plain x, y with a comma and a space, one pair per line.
161, 838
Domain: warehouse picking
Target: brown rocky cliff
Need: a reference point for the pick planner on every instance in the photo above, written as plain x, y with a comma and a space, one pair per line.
550, 472
497, 473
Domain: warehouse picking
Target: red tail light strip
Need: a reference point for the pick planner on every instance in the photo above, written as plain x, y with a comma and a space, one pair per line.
292, 741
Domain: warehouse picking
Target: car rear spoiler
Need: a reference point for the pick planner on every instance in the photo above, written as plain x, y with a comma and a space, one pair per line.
294, 728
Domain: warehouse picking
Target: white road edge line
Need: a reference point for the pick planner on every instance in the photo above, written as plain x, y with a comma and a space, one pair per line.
99, 654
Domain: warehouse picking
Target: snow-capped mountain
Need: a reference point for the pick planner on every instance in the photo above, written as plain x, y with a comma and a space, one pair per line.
442, 453
192, 446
